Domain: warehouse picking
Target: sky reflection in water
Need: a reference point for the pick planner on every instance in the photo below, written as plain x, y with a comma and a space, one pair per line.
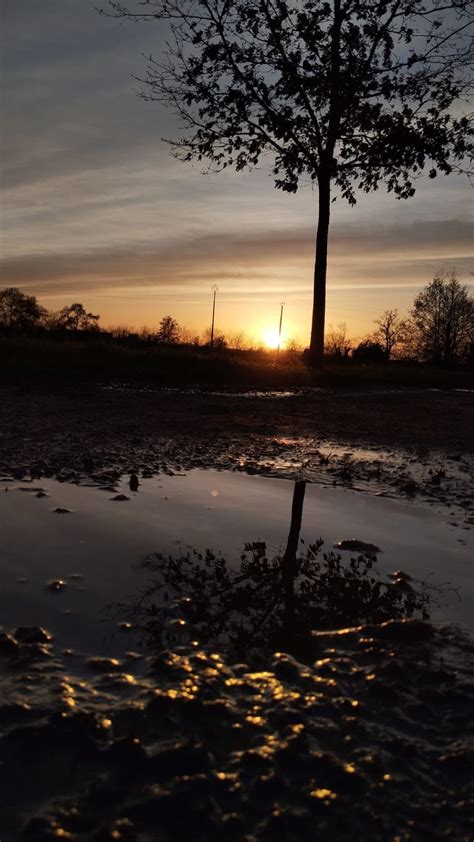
100, 542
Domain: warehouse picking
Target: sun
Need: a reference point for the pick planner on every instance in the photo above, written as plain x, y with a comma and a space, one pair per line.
271, 338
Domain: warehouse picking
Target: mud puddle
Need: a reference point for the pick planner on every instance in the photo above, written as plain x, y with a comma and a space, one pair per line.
67, 551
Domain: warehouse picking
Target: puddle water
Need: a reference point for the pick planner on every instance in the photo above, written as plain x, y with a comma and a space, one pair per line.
97, 545
229, 393
365, 740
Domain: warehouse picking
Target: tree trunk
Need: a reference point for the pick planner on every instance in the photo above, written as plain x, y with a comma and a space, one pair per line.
289, 559
316, 348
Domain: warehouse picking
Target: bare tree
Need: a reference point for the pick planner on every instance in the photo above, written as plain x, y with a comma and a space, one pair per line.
344, 93
391, 331
219, 341
338, 344
443, 320
188, 337
238, 340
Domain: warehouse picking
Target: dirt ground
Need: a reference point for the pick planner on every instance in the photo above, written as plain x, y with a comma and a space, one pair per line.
42, 425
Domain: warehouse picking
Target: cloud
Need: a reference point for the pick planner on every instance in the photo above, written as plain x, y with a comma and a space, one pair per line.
271, 257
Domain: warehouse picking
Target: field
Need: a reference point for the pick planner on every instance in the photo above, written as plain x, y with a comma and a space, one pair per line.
48, 360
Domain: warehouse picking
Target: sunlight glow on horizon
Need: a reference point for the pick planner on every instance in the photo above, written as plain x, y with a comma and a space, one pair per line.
272, 339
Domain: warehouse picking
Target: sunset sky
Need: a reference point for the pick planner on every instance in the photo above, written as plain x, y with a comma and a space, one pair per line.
95, 210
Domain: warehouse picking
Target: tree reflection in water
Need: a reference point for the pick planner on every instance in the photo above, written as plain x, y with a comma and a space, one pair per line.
266, 603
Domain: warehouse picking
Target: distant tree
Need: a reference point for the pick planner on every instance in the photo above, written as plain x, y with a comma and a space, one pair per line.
369, 352
220, 340
169, 332
337, 344
18, 310
343, 93
391, 331
188, 337
75, 317
442, 320
238, 341
147, 335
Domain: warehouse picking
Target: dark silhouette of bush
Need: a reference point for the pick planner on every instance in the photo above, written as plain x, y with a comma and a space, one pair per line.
368, 352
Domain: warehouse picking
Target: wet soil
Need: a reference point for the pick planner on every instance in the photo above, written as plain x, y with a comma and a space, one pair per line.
410, 437
365, 742
62, 421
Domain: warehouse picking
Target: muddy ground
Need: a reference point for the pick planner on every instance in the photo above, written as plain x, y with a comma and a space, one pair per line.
366, 745
36, 424
397, 443
367, 741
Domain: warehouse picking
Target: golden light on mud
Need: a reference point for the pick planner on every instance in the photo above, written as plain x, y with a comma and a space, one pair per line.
271, 338
323, 793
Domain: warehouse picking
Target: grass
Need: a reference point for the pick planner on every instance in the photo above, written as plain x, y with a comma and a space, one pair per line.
48, 360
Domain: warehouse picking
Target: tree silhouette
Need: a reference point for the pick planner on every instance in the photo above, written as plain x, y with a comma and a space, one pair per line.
75, 317
346, 93
169, 331
391, 331
337, 343
369, 351
443, 320
18, 310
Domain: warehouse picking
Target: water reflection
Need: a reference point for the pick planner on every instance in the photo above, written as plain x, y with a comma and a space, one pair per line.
266, 602
95, 547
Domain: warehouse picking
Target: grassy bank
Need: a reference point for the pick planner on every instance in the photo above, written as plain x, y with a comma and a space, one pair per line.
68, 362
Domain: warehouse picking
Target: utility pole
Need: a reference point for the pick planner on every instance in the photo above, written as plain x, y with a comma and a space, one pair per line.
215, 289
281, 322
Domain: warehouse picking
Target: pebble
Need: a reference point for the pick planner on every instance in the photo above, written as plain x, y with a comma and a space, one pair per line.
56, 585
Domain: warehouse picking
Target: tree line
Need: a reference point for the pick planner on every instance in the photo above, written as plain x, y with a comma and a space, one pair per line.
23, 312
439, 328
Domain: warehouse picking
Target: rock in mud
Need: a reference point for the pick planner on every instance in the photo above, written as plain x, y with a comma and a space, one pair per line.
120, 497
400, 574
410, 488
356, 546
8, 646
56, 585
32, 634
104, 665
60, 511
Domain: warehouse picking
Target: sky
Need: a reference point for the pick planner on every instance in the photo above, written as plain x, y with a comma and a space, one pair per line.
96, 210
